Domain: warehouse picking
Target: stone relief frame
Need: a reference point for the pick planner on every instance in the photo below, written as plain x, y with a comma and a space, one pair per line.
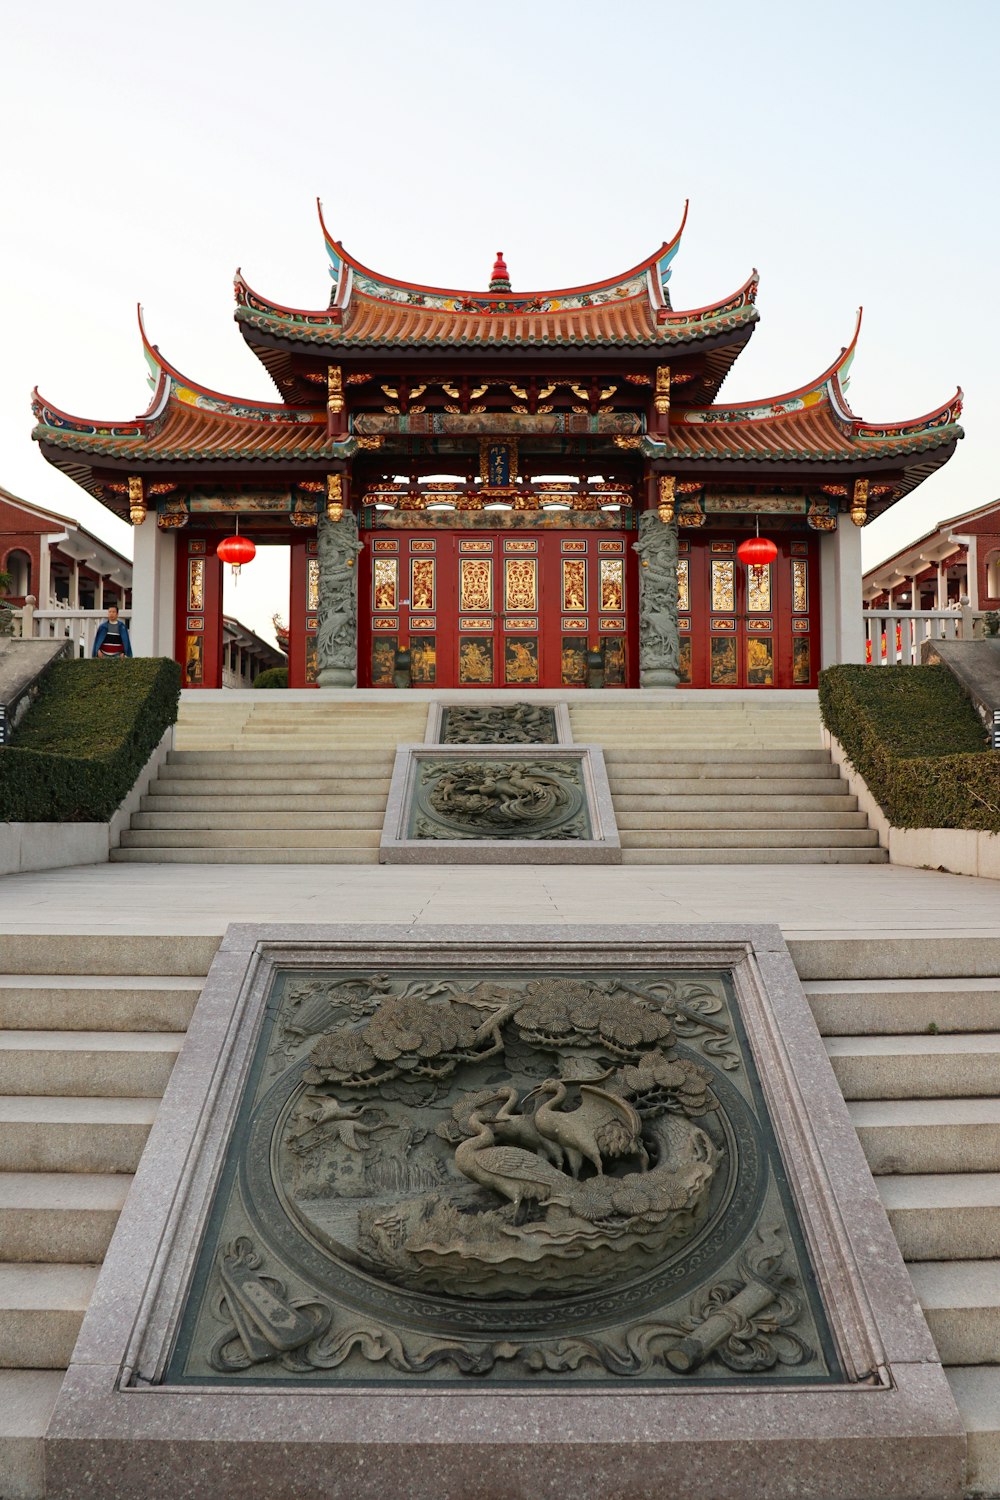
890, 1430
398, 846
437, 710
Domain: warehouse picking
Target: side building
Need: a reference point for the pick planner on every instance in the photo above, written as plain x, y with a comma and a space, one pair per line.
507, 489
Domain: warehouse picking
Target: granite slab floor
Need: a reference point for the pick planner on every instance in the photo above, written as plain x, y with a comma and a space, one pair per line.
203, 899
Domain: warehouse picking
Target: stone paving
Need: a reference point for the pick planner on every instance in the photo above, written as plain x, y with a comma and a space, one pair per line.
203, 899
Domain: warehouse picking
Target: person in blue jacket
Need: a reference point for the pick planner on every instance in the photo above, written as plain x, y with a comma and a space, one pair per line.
112, 636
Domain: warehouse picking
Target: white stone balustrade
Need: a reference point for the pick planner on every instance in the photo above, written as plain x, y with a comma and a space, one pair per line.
894, 637
78, 625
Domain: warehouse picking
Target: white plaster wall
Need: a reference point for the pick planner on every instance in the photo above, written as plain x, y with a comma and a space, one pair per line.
153, 571
841, 619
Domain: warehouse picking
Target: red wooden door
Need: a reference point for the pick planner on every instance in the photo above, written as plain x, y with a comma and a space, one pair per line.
748, 627
302, 607
497, 609
198, 618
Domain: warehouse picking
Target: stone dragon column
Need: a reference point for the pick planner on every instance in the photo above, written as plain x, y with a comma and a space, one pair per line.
337, 617
659, 642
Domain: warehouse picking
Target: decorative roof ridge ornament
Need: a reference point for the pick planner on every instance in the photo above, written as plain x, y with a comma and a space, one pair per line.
499, 281
377, 284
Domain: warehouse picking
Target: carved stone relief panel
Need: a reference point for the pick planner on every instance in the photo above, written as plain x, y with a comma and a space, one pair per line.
504, 1175
498, 724
490, 799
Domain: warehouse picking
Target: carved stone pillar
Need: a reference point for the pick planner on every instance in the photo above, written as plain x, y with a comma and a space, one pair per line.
337, 616
659, 643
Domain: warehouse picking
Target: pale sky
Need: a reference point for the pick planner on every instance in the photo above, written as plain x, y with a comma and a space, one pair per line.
849, 151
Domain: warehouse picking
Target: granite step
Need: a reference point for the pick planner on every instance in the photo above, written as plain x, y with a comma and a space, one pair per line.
226, 837
291, 801
252, 816
627, 802
59, 1216
285, 856
247, 787
738, 835
924, 1136
626, 755
27, 1400
669, 784
845, 1007
50, 1134
961, 1302
976, 1389
944, 1216
733, 768
633, 821
956, 1066
41, 1310
92, 1002
361, 767
85, 955
87, 1064
787, 855
265, 759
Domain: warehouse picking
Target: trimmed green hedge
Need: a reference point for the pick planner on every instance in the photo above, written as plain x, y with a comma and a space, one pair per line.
274, 677
80, 747
918, 742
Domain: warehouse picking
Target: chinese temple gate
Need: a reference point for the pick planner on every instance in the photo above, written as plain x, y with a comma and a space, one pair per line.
506, 489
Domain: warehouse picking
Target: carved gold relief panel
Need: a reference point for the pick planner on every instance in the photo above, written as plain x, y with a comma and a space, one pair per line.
613, 651
423, 659
193, 660
475, 583
574, 584
475, 659
801, 660
760, 661
520, 583
312, 583
722, 669
612, 583
383, 660
196, 583
800, 585
723, 585
759, 588
574, 662
422, 583
520, 659
684, 585
385, 591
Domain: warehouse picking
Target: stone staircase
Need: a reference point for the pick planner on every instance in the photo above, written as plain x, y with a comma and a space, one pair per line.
725, 783
693, 781
918, 1060
89, 1031
273, 783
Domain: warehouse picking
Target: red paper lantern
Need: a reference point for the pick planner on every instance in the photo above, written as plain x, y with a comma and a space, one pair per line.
236, 550
757, 551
